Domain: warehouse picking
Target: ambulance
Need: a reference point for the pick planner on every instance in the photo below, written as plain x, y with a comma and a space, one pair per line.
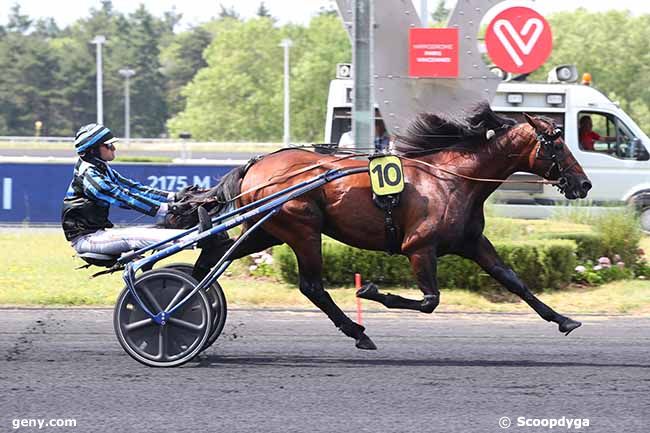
618, 165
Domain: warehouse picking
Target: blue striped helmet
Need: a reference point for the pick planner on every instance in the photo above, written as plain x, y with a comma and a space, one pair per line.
92, 135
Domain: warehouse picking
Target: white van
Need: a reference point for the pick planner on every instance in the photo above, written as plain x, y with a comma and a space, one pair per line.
619, 170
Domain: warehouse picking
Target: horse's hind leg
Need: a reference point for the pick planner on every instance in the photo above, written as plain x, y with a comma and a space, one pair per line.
487, 257
423, 264
310, 264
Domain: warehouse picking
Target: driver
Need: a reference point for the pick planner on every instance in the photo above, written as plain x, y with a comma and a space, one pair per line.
95, 186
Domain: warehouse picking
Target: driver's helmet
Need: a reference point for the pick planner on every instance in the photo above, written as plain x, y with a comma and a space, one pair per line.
92, 135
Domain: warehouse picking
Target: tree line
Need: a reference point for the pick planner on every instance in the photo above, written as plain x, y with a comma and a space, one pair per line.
222, 80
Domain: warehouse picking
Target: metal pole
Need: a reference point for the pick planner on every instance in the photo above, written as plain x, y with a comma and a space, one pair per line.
127, 74
286, 44
424, 13
362, 48
98, 41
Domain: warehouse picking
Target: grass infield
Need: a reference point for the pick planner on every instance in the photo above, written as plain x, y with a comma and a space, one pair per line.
39, 270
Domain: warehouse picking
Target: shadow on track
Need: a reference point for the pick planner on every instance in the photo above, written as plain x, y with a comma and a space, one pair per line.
215, 361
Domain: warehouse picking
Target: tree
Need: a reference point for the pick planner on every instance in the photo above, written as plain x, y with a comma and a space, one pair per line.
440, 15
18, 22
46, 28
228, 12
29, 90
263, 11
148, 105
238, 95
325, 43
181, 60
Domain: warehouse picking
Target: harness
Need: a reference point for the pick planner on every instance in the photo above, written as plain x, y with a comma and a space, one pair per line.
547, 143
387, 182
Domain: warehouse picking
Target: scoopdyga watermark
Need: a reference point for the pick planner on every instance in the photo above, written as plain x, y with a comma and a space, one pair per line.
563, 422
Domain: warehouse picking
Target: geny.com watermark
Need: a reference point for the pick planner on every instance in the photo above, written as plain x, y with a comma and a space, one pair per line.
549, 423
42, 423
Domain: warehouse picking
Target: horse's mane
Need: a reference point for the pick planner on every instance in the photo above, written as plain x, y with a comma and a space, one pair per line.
430, 132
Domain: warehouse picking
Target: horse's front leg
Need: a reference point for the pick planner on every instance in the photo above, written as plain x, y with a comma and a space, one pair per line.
423, 264
486, 256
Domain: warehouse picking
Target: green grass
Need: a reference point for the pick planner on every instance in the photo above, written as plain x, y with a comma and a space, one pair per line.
39, 269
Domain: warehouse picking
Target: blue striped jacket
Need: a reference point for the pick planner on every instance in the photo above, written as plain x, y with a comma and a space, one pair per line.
95, 186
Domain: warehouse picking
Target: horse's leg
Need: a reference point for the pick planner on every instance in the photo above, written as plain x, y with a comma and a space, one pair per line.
216, 246
310, 264
423, 264
487, 257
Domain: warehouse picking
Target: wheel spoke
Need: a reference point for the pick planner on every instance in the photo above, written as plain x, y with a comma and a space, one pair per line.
185, 324
183, 289
152, 301
139, 324
162, 343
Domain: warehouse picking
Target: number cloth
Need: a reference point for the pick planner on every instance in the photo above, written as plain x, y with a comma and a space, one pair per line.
386, 175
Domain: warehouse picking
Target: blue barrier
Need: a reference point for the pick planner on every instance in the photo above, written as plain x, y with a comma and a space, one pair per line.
33, 192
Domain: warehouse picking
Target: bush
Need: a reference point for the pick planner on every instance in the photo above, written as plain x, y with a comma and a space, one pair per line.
620, 234
589, 246
540, 264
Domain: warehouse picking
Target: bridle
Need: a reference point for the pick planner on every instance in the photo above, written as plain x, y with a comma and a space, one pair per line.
548, 145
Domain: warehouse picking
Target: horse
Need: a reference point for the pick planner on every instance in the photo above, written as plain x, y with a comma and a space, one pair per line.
450, 166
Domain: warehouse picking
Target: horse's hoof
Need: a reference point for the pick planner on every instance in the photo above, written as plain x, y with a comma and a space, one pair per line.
368, 291
569, 325
365, 343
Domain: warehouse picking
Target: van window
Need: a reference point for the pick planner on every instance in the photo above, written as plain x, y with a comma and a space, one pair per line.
606, 133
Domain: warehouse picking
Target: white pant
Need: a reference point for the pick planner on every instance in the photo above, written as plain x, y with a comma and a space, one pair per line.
117, 241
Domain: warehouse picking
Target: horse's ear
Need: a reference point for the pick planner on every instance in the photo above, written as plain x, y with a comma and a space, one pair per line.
531, 120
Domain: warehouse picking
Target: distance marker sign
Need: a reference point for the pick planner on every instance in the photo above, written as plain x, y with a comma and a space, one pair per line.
519, 40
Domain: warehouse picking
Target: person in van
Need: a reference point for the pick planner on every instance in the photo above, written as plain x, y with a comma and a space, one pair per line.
588, 136
381, 142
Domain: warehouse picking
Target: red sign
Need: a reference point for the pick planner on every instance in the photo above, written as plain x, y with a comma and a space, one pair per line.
519, 40
433, 53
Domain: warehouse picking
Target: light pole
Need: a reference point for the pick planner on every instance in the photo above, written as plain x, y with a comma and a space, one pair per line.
99, 40
127, 74
286, 44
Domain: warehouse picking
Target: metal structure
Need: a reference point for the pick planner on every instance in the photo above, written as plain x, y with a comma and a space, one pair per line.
363, 112
127, 74
286, 44
400, 97
99, 40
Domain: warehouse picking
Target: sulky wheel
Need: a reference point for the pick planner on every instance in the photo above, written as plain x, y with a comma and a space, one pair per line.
217, 300
181, 337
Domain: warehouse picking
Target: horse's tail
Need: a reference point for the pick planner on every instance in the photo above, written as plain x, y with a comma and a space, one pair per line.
229, 187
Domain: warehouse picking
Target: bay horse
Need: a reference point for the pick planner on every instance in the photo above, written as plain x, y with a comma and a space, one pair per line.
451, 166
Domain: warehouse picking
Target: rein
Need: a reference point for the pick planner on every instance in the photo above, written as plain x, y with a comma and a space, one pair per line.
479, 179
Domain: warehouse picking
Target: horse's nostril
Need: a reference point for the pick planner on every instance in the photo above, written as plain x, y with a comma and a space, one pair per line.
586, 185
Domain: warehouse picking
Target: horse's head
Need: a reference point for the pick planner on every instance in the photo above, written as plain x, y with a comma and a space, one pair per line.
551, 158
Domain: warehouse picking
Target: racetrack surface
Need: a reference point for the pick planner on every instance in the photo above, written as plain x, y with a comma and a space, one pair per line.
291, 371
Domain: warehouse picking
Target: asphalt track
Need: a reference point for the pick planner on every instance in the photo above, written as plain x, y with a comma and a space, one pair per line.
283, 371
